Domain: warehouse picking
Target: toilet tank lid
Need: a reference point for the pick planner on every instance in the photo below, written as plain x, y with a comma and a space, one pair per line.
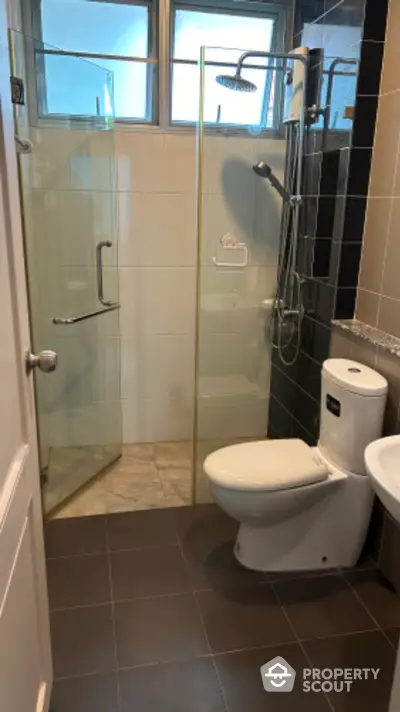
355, 377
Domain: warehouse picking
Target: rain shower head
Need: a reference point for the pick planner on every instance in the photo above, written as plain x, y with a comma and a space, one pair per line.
265, 171
235, 82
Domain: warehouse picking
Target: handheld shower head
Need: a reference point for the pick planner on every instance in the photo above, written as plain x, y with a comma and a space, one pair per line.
262, 169
235, 82
265, 171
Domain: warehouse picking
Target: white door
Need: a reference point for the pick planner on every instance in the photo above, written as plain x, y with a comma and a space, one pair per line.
25, 658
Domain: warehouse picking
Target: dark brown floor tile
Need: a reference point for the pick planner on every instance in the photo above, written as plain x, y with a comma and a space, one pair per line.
188, 686
82, 641
134, 530
215, 566
322, 606
394, 635
75, 535
378, 596
240, 677
159, 629
203, 521
207, 537
78, 580
91, 693
148, 572
363, 650
243, 617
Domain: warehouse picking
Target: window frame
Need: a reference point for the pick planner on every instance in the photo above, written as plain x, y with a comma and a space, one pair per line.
34, 23
160, 60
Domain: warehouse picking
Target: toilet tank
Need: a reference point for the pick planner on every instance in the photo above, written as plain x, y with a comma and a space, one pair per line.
353, 402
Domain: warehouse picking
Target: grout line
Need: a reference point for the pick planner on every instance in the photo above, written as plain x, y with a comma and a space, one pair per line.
124, 600
145, 548
113, 616
293, 629
364, 605
295, 382
84, 555
96, 673
203, 625
340, 635
324, 15
81, 606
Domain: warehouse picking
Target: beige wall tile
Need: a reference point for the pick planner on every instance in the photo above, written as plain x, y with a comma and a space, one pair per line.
157, 241
391, 268
341, 344
367, 307
385, 146
376, 229
364, 352
389, 316
389, 366
391, 63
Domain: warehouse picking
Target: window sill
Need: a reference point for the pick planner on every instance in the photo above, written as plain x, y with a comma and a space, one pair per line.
179, 129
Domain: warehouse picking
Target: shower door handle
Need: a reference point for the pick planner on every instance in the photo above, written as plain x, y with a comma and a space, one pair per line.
99, 266
82, 317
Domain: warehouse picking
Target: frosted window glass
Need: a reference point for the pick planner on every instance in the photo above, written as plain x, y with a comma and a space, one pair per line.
219, 32
96, 27
106, 28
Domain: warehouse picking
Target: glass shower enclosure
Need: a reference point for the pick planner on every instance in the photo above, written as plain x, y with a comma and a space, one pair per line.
67, 178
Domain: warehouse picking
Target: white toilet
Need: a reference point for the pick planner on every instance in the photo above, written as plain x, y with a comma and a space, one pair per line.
302, 507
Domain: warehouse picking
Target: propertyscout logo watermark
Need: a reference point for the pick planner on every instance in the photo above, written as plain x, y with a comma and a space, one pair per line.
279, 676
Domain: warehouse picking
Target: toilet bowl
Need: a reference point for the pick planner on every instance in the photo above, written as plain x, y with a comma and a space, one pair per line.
302, 507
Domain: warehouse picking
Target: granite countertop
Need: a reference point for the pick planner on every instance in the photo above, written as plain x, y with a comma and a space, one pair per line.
371, 334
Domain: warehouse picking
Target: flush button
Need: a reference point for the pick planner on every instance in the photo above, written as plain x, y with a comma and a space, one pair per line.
354, 370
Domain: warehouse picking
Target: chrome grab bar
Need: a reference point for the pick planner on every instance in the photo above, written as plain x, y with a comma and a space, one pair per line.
99, 264
74, 319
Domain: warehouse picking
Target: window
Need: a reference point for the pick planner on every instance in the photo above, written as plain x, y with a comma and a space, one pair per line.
92, 43
218, 32
113, 36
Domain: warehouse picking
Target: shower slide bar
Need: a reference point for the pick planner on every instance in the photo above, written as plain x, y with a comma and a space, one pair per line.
82, 317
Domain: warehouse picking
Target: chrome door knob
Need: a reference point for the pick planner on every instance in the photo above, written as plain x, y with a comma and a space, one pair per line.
46, 361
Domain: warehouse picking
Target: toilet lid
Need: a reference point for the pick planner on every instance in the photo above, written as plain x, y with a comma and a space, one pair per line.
266, 465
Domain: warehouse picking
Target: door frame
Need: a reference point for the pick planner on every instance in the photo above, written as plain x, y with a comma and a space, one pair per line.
21, 495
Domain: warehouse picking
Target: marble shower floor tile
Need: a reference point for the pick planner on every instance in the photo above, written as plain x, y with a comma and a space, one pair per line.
173, 455
177, 486
147, 476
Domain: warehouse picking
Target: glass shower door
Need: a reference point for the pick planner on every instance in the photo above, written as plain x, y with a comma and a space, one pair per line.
69, 210
239, 221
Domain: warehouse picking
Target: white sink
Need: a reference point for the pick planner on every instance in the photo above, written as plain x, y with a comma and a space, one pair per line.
382, 459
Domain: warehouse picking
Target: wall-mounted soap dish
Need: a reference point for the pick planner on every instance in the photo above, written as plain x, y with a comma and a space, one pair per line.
228, 247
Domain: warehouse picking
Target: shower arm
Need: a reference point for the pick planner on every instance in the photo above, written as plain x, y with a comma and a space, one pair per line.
269, 55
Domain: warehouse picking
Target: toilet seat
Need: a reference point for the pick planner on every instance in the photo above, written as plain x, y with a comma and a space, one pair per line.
266, 465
